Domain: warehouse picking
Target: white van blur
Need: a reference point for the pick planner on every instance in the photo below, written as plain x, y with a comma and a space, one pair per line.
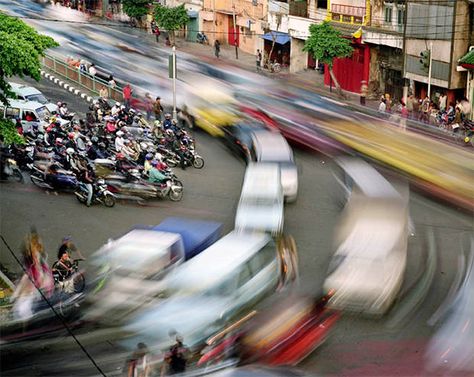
368, 267
30, 113
30, 93
261, 200
270, 146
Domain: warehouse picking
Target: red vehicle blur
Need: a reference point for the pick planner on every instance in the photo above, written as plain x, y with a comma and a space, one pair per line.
284, 334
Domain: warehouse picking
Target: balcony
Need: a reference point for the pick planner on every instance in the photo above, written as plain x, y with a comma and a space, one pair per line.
278, 7
318, 14
298, 8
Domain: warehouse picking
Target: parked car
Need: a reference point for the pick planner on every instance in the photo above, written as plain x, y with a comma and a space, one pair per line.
269, 146
133, 266
30, 93
367, 269
210, 290
261, 204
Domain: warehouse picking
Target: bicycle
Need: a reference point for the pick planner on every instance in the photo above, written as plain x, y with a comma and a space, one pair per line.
273, 66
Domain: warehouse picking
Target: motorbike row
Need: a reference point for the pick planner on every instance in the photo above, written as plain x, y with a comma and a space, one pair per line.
117, 145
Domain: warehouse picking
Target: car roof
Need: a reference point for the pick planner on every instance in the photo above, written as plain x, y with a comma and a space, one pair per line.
272, 146
28, 105
218, 261
262, 178
23, 89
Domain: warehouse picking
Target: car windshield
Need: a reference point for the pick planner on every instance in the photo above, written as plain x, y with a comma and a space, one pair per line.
43, 112
37, 98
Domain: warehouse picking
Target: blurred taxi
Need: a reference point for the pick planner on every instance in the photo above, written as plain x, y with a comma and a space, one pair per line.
368, 267
439, 168
211, 289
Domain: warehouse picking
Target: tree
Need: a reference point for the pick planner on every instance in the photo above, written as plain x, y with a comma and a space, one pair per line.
9, 132
20, 49
135, 8
171, 18
326, 43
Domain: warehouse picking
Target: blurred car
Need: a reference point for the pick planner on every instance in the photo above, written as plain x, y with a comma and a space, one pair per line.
452, 347
132, 267
367, 269
29, 93
261, 204
238, 138
261, 371
448, 175
269, 146
214, 287
213, 119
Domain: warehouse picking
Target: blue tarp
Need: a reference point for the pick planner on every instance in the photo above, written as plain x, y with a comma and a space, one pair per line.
197, 235
280, 38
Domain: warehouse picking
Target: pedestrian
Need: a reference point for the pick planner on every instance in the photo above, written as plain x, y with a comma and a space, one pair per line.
92, 70
382, 105
416, 108
409, 106
363, 92
388, 103
103, 92
148, 105
112, 82
155, 30
127, 95
442, 102
176, 358
425, 108
157, 108
259, 61
83, 66
403, 115
138, 363
217, 48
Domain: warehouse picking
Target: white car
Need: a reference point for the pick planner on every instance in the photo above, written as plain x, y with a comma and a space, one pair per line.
29, 93
270, 146
205, 293
261, 204
367, 269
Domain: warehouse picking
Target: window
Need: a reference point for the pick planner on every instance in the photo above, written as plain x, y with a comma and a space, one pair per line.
29, 116
388, 14
400, 16
12, 112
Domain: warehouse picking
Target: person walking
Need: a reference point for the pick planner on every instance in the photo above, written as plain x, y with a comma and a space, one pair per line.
442, 102
112, 82
259, 61
363, 92
217, 48
410, 102
148, 106
127, 95
382, 105
155, 30
103, 92
92, 70
157, 108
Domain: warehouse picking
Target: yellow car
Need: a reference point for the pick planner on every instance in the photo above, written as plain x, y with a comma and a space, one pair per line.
442, 169
211, 119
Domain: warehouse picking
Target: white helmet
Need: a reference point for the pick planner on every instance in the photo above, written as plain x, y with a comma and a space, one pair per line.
119, 133
117, 104
70, 151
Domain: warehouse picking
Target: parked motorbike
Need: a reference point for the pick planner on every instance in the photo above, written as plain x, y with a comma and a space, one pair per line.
202, 38
11, 170
101, 194
62, 180
191, 158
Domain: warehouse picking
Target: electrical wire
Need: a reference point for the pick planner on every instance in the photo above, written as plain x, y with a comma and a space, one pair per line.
52, 308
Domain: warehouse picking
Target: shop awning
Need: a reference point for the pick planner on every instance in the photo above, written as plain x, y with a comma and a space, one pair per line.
280, 38
467, 61
193, 14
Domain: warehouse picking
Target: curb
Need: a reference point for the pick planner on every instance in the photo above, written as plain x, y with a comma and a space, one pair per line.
66, 86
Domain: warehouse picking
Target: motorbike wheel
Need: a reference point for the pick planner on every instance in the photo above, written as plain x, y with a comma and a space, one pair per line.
37, 181
79, 282
177, 182
198, 162
176, 196
109, 201
276, 67
81, 199
18, 176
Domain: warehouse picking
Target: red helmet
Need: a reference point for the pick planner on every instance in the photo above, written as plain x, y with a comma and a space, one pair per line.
120, 156
70, 135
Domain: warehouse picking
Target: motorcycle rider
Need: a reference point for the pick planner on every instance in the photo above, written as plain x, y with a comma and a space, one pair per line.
119, 141
62, 268
86, 176
154, 174
64, 112
167, 122
4, 154
115, 109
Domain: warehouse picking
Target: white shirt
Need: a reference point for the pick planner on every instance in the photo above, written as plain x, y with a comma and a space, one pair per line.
119, 143
382, 107
92, 71
114, 110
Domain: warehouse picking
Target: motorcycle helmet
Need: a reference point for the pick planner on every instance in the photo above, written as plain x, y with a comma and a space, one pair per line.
94, 139
122, 107
119, 133
101, 181
59, 104
64, 104
53, 119
117, 104
70, 151
154, 162
95, 102
126, 141
120, 156
149, 156
132, 111
70, 135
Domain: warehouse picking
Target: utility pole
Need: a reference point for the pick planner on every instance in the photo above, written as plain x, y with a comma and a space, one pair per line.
174, 84
235, 32
429, 69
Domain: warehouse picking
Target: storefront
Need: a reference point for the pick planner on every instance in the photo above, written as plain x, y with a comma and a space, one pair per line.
278, 45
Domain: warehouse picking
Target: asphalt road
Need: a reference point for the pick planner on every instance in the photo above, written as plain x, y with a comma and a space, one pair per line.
388, 346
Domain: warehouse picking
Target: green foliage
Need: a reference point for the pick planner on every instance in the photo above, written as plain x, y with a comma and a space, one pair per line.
135, 8
9, 132
20, 49
170, 18
326, 43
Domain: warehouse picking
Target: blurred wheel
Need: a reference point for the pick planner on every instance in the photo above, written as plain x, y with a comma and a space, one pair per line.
18, 176
198, 162
176, 195
109, 201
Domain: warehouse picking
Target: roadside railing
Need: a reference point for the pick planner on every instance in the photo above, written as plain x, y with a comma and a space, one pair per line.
80, 78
